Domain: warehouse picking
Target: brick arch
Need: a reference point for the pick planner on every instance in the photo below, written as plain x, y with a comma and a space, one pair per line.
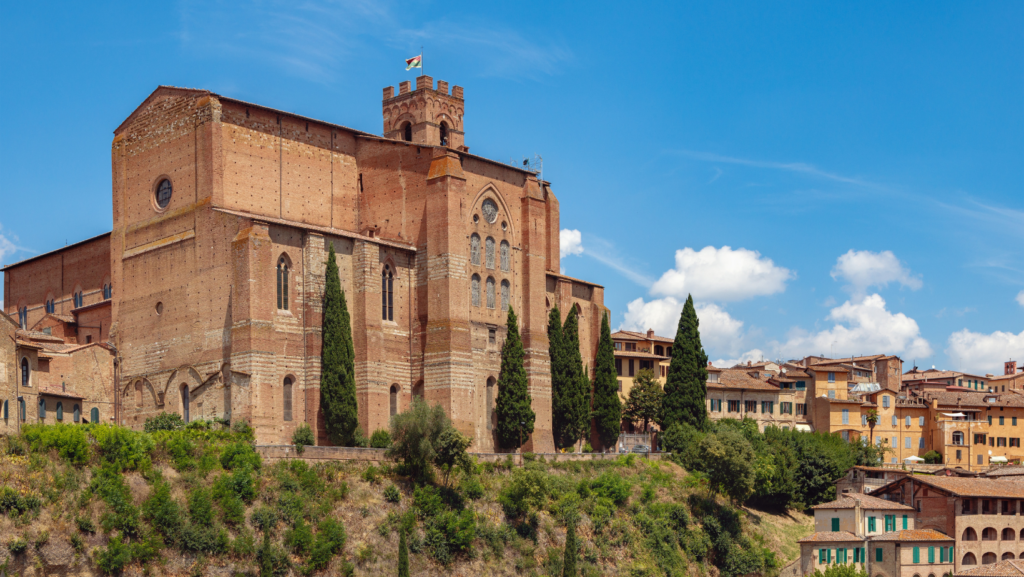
183, 374
453, 124
491, 190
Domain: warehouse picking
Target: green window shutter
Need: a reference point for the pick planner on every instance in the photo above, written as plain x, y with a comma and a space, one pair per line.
990, 419
942, 554
829, 555
878, 554
931, 554
871, 524
821, 555
835, 523
904, 522
856, 554
917, 554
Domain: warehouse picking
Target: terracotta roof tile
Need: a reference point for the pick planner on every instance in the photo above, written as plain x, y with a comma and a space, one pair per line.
1008, 568
965, 486
912, 535
639, 355
866, 502
974, 399
740, 379
635, 336
830, 537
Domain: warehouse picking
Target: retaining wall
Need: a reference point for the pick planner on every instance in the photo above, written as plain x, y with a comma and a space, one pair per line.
279, 452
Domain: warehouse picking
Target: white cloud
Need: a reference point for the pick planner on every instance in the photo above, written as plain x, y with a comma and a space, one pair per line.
751, 355
862, 327
1020, 298
721, 275
718, 329
865, 269
570, 242
982, 354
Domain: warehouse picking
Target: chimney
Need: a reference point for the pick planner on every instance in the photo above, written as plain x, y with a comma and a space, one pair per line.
749, 363
1009, 367
650, 333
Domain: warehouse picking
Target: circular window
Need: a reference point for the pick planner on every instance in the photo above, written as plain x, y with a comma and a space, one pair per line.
490, 210
476, 218
163, 193
159, 308
504, 225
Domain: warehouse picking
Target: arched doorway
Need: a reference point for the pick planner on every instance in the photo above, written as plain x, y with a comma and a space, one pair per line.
394, 400
185, 402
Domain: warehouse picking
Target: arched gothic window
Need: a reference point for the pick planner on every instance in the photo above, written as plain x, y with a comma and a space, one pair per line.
60, 411
76, 413
282, 284
444, 133
407, 132
287, 395
474, 249
474, 284
42, 408
185, 403
108, 291
78, 299
23, 318
94, 415
490, 292
394, 400
506, 256
506, 288
50, 308
489, 246
24, 372
387, 293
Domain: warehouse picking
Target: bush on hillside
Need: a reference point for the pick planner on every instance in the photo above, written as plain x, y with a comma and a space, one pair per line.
380, 439
70, 441
164, 422
303, 437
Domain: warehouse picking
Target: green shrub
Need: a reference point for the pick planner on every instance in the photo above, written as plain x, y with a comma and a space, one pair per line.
450, 533
932, 457
263, 519
392, 494
181, 450
70, 441
380, 439
124, 448
163, 513
329, 541
42, 538
300, 538
427, 501
232, 510
244, 546
243, 431
122, 514
302, 437
472, 487
526, 491
85, 524
239, 483
77, 543
10, 501
164, 422
371, 475
612, 486
114, 557
200, 506
240, 455
587, 448
17, 546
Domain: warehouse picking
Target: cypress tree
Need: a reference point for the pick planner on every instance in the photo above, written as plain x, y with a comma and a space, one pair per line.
607, 405
686, 387
403, 556
337, 361
577, 398
572, 551
559, 392
513, 407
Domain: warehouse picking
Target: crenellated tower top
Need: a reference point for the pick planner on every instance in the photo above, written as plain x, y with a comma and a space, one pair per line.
425, 115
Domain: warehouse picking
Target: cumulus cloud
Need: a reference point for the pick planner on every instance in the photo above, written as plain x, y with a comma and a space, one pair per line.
570, 242
753, 355
984, 353
862, 326
865, 269
721, 275
1020, 298
718, 329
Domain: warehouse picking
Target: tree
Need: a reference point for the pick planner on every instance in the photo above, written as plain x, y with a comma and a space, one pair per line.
840, 570
644, 402
403, 556
337, 362
872, 418
933, 458
728, 459
513, 407
450, 451
560, 391
577, 398
686, 384
572, 550
415, 435
607, 409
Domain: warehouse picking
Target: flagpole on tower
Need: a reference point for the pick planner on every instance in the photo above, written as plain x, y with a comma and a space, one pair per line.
423, 71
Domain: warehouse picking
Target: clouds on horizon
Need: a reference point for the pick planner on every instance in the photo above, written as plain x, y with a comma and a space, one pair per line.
713, 274
984, 353
865, 269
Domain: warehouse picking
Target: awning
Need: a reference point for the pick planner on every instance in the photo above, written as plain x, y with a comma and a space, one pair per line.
997, 460
954, 414
918, 459
804, 428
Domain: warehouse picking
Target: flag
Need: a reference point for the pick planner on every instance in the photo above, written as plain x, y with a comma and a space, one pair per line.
414, 62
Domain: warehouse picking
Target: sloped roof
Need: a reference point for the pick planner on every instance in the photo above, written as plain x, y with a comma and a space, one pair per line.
1008, 568
55, 251
964, 486
740, 379
830, 537
912, 535
635, 336
848, 501
640, 355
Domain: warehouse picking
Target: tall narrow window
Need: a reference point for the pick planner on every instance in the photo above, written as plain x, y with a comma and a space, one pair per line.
94, 415
490, 403
287, 398
407, 132
50, 308
490, 292
387, 294
78, 300
23, 318
474, 249
42, 408
60, 411
185, 401
489, 249
506, 256
394, 400
5, 410
138, 393
24, 372
282, 284
108, 291
474, 284
76, 413
444, 134
506, 288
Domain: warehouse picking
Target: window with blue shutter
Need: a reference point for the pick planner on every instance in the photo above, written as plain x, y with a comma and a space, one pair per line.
920, 421
990, 419
1002, 421
846, 416
907, 419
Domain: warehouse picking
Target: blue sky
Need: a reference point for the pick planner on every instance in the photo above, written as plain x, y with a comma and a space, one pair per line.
822, 177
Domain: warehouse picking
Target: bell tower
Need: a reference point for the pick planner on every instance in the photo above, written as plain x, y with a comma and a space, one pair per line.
426, 115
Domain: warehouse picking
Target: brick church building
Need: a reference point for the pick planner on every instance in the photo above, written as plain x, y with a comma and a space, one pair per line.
206, 298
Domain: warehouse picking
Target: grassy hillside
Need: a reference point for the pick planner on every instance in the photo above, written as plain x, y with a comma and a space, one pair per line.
97, 499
